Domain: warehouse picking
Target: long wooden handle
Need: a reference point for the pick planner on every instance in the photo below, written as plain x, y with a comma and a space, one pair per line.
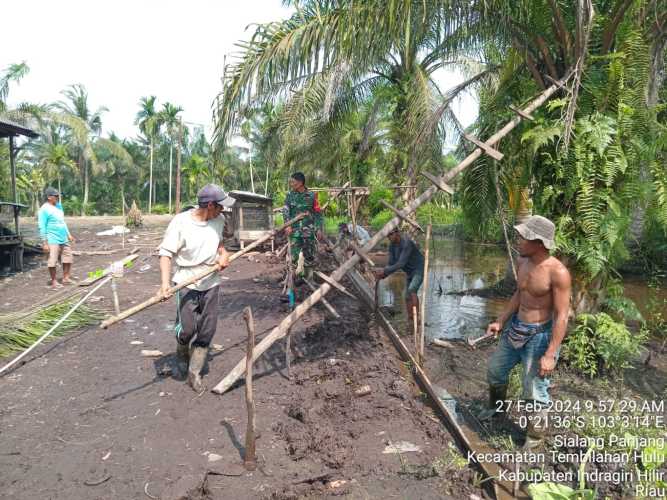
158, 298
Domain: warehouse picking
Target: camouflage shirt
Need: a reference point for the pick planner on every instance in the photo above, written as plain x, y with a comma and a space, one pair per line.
296, 203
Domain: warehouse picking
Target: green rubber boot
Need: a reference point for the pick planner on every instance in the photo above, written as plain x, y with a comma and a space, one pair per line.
536, 428
197, 361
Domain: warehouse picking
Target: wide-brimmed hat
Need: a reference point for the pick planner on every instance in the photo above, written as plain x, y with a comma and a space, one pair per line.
540, 228
214, 193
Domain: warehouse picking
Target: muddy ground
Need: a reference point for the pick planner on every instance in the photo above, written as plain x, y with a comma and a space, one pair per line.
90, 418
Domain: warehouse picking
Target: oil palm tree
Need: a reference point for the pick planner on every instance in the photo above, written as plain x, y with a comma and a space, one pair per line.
331, 55
85, 125
149, 121
169, 118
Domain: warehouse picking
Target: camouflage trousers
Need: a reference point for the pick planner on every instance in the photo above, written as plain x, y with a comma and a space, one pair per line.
306, 243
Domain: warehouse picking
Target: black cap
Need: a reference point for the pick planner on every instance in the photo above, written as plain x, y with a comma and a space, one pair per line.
51, 191
214, 193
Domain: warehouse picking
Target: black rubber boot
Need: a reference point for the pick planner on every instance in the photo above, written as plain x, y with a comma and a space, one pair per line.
182, 359
496, 393
197, 361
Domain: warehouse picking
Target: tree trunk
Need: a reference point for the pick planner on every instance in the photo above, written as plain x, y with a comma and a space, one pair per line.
178, 168
122, 199
171, 150
523, 210
150, 178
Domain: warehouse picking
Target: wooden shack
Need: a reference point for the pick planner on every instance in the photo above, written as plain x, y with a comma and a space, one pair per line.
251, 218
11, 241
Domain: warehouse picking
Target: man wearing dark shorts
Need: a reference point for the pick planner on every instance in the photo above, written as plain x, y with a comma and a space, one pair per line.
405, 255
193, 241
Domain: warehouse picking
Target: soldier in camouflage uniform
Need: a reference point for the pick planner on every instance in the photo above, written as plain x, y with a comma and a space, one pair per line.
303, 234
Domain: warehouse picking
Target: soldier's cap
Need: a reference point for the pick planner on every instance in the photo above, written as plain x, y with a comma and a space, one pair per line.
540, 228
214, 193
51, 191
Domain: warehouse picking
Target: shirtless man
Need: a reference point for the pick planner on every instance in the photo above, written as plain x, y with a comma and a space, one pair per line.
534, 323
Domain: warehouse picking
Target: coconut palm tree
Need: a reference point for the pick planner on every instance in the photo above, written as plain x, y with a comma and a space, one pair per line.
54, 161
331, 55
85, 126
13, 73
115, 162
170, 119
149, 121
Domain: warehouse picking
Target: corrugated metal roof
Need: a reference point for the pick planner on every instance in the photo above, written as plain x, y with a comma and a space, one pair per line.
9, 128
247, 195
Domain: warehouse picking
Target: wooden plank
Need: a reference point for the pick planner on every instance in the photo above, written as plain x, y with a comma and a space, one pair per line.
437, 182
107, 271
399, 214
335, 284
521, 113
493, 153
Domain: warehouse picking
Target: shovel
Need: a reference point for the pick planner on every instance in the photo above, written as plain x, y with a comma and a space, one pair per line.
473, 342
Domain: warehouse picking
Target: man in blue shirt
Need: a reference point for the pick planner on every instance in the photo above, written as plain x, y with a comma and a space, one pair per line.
405, 255
56, 238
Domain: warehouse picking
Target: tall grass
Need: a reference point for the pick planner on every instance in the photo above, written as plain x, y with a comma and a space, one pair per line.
16, 335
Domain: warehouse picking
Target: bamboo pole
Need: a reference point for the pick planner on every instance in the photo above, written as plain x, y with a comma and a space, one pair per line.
249, 460
158, 298
280, 331
429, 228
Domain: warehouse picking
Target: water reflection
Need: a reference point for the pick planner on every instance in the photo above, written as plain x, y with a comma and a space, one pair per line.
454, 266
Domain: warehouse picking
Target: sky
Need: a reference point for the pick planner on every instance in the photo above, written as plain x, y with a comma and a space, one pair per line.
122, 50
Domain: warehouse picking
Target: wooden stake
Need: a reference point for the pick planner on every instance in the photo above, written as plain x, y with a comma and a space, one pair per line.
415, 332
362, 254
335, 284
399, 214
325, 302
280, 331
107, 271
249, 459
288, 351
158, 298
429, 228
114, 291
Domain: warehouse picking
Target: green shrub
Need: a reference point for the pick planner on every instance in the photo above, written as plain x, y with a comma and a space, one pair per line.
381, 218
160, 209
599, 343
440, 216
374, 200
